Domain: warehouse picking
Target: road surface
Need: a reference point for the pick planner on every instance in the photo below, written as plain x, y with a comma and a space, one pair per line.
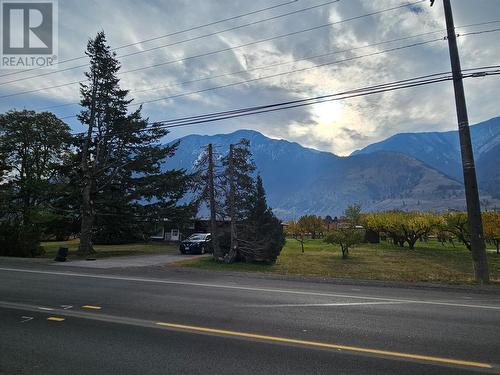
163, 320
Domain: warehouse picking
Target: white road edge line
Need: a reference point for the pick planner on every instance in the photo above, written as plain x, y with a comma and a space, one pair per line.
267, 290
329, 304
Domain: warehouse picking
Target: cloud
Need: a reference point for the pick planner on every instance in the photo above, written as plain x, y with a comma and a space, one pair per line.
340, 127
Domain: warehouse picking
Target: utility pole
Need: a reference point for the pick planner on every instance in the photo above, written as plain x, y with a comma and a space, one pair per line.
232, 251
211, 197
478, 248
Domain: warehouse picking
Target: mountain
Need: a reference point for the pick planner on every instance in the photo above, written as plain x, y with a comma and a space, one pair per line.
488, 171
441, 150
301, 180
275, 159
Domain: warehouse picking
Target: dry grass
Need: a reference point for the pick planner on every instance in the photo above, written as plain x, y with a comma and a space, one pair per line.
429, 262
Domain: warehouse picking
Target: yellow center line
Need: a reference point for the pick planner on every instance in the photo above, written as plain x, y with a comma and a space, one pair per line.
448, 361
55, 318
91, 307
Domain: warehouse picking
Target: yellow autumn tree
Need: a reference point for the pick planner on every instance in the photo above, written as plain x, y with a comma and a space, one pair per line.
312, 225
491, 228
402, 226
297, 231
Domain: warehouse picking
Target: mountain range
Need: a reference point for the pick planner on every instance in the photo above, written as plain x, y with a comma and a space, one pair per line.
409, 171
441, 150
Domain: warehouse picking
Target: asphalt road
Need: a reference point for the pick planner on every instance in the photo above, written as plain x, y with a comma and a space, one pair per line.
163, 320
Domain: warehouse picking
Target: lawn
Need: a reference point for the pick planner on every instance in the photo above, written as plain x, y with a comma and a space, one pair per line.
106, 251
428, 262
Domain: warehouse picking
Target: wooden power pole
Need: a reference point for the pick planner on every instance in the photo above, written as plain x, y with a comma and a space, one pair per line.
232, 209
478, 248
213, 208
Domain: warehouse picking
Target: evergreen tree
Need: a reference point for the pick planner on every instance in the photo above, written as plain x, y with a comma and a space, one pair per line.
256, 234
33, 147
207, 190
261, 237
241, 170
259, 203
120, 157
238, 169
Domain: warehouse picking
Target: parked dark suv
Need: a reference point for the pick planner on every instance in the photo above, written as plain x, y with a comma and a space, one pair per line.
198, 243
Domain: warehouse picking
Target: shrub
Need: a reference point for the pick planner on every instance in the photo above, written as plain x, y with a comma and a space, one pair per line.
346, 238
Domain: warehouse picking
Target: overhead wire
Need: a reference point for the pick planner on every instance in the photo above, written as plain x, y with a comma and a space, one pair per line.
168, 62
196, 56
369, 90
173, 43
164, 35
279, 74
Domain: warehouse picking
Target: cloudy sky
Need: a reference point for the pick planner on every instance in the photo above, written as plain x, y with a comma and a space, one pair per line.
340, 127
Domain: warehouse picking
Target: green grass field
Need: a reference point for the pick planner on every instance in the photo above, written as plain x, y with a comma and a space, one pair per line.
106, 251
428, 262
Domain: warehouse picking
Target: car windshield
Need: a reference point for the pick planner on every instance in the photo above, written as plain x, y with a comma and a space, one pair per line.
197, 237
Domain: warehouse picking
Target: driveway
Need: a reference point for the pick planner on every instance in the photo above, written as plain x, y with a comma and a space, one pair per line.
127, 261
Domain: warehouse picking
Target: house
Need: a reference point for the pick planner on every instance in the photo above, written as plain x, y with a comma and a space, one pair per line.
165, 230
170, 231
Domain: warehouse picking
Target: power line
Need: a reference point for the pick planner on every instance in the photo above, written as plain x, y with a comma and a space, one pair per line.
272, 75
231, 73
279, 74
206, 54
273, 38
479, 32
286, 73
230, 48
439, 77
381, 90
232, 28
178, 42
305, 58
256, 108
165, 35
374, 89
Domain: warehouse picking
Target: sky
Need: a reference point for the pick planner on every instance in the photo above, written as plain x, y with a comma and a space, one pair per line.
340, 127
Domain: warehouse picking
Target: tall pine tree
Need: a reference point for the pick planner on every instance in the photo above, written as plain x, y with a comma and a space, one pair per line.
120, 157
238, 169
261, 236
208, 191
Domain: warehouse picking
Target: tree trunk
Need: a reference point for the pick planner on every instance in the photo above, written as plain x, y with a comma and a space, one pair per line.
231, 256
213, 213
411, 242
86, 247
87, 223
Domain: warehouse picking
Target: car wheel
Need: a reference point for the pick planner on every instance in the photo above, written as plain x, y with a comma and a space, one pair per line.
182, 252
202, 250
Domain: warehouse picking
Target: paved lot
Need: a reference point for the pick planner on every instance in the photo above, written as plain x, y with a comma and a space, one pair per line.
162, 320
124, 262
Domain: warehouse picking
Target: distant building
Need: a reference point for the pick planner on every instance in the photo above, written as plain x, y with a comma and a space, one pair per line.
171, 231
